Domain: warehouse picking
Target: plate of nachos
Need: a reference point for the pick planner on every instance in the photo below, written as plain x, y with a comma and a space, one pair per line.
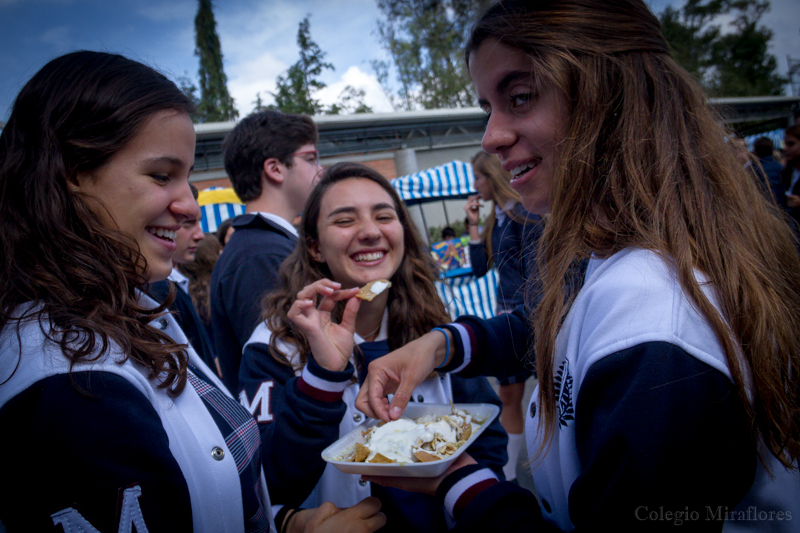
422, 443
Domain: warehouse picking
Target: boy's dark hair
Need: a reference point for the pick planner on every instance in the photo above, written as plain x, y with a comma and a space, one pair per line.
763, 147
261, 136
448, 233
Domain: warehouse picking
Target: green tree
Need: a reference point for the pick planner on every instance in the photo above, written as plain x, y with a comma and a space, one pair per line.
258, 103
728, 63
425, 41
296, 89
351, 100
216, 104
187, 87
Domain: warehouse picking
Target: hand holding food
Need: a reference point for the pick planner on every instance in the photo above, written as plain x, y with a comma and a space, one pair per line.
331, 344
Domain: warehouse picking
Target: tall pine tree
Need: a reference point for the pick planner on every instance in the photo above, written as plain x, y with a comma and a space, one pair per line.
296, 88
216, 104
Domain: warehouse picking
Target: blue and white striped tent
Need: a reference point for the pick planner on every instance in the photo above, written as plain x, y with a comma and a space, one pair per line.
464, 295
446, 182
218, 204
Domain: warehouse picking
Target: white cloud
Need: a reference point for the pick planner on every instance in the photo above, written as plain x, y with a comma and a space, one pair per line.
356, 78
253, 76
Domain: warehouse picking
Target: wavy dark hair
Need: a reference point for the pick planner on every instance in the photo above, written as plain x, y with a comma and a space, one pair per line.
73, 116
644, 163
199, 274
414, 305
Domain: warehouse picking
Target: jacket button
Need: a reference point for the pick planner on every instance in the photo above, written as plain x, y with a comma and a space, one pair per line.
217, 453
533, 409
420, 398
357, 417
163, 323
362, 482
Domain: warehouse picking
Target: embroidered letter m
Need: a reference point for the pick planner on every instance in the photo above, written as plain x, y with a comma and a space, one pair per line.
260, 406
130, 516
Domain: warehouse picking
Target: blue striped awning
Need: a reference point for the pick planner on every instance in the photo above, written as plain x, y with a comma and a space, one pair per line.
449, 181
468, 295
214, 213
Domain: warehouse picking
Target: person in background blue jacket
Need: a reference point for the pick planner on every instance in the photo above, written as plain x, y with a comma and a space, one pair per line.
272, 161
667, 393
508, 243
763, 149
301, 368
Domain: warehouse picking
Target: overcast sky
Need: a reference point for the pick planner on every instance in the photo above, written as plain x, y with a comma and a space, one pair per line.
258, 40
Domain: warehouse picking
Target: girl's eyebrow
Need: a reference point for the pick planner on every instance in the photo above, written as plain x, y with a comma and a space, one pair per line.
504, 82
350, 209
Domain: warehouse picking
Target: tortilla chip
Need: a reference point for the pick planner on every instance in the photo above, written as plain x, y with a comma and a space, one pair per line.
362, 452
380, 458
425, 457
365, 292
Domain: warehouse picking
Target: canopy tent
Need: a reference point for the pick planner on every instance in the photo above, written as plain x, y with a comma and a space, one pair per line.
451, 181
218, 204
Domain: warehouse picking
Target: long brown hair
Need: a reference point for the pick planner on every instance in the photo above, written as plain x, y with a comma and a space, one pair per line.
644, 164
499, 180
414, 305
72, 116
199, 274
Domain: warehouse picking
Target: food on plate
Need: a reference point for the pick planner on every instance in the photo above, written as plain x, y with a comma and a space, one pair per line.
373, 288
424, 439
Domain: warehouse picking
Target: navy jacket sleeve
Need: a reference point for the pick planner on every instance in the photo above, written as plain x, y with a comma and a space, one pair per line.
238, 307
490, 347
478, 259
246, 270
296, 421
82, 450
657, 431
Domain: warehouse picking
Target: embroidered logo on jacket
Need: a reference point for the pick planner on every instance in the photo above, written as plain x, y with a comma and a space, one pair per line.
260, 407
131, 516
563, 386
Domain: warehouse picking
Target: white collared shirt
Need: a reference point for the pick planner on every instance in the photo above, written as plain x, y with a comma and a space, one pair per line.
282, 222
179, 279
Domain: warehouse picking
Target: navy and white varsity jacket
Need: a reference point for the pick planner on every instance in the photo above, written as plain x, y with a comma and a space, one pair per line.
650, 434
122, 452
300, 413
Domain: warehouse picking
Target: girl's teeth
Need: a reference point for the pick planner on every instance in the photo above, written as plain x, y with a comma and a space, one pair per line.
369, 257
162, 233
524, 168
